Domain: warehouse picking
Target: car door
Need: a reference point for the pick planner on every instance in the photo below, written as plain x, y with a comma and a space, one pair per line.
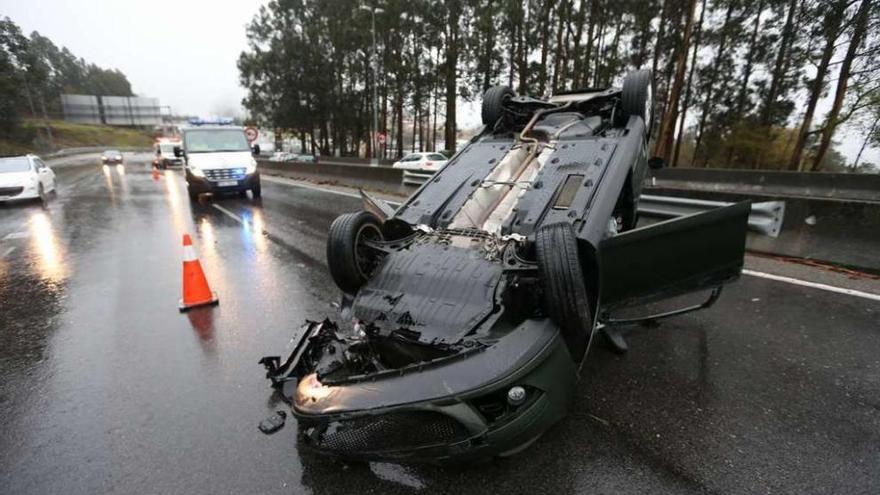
678, 256
45, 175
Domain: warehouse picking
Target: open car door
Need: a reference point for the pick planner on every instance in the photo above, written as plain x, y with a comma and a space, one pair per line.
674, 257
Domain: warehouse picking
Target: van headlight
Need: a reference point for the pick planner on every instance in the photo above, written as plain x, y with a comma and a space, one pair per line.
196, 171
252, 167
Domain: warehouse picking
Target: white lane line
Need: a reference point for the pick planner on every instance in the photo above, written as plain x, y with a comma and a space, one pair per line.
15, 235
814, 285
7, 252
228, 213
778, 278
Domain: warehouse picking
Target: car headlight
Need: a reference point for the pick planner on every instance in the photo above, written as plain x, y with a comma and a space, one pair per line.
252, 167
196, 171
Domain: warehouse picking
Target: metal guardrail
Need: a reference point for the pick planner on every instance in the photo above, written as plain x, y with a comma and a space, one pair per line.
765, 218
416, 178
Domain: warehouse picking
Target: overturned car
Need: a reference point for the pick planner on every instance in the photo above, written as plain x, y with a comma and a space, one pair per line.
469, 310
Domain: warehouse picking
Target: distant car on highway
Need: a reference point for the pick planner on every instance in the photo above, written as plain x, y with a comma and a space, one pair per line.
164, 150
111, 157
25, 177
217, 158
423, 162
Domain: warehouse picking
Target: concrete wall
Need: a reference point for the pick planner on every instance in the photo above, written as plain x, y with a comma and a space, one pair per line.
828, 217
384, 179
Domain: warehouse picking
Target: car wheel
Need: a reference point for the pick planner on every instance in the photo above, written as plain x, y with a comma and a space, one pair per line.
257, 191
493, 103
637, 99
350, 260
41, 193
565, 293
193, 196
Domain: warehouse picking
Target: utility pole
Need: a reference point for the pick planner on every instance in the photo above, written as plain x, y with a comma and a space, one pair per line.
374, 141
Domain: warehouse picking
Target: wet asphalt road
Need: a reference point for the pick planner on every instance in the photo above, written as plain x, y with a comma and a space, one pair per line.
106, 388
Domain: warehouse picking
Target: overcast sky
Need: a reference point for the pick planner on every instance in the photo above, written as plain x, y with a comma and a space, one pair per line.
184, 52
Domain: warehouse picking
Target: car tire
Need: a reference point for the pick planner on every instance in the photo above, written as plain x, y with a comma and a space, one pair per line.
257, 191
564, 289
350, 266
41, 194
637, 99
193, 196
493, 103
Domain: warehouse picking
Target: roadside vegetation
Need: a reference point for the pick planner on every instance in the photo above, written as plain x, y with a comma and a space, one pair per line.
34, 72
30, 137
764, 84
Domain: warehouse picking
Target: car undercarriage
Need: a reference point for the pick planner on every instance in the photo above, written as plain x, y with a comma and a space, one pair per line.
468, 311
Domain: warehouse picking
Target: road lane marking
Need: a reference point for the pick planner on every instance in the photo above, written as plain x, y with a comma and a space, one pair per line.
770, 276
15, 235
228, 213
7, 252
814, 285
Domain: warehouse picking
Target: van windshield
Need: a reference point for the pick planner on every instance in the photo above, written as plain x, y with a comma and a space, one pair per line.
215, 140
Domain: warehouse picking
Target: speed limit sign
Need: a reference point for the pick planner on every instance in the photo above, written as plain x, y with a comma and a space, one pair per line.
251, 133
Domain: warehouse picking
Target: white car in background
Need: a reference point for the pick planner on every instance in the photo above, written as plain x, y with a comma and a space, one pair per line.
424, 162
25, 177
420, 167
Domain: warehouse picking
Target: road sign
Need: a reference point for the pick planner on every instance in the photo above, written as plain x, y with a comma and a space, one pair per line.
380, 137
251, 133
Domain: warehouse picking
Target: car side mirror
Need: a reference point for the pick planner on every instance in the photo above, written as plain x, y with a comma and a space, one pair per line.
178, 152
656, 163
255, 149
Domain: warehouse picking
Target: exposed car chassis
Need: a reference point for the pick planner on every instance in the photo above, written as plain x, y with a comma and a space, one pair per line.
469, 310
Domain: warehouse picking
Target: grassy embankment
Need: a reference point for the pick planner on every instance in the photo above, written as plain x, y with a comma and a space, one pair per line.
32, 137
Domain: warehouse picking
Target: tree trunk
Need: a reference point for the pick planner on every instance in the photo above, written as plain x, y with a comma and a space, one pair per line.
575, 53
661, 32
698, 35
747, 67
560, 27
707, 102
858, 32
834, 19
588, 51
865, 142
779, 66
452, 42
545, 47
667, 126
522, 63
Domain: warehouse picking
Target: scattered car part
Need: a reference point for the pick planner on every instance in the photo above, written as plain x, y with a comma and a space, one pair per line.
273, 423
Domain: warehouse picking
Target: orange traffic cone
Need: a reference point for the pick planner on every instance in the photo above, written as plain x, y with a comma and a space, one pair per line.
196, 291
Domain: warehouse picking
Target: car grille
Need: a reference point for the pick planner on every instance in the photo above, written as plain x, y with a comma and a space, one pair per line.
225, 174
10, 191
386, 433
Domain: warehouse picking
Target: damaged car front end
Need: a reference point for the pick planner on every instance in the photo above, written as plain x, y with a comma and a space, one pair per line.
469, 310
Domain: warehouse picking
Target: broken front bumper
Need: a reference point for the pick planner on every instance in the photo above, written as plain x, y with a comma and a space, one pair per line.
458, 410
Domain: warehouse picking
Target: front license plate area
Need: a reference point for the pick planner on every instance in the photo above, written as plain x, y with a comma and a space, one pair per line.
227, 183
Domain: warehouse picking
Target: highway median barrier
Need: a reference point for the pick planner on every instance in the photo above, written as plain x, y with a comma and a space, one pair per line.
832, 218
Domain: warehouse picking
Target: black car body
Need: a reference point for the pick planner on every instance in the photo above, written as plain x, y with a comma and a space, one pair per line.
473, 305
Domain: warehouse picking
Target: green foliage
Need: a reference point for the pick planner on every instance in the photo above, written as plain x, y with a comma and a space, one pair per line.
34, 72
308, 66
